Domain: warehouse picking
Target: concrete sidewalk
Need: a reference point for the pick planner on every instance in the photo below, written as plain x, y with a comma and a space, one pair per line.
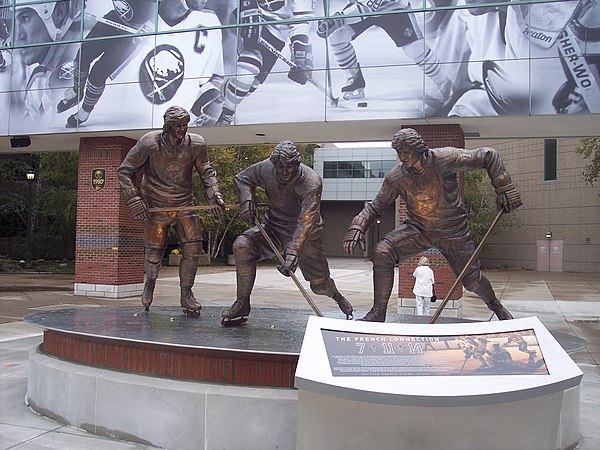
565, 302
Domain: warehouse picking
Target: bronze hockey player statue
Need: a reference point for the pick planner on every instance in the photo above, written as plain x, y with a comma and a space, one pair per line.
292, 221
168, 158
426, 180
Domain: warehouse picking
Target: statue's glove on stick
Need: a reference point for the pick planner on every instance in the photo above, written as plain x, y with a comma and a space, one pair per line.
217, 205
508, 198
248, 211
138, 208
290, 263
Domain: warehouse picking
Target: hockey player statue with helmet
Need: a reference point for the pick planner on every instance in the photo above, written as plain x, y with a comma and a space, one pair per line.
168, 158
426, 180
292, 221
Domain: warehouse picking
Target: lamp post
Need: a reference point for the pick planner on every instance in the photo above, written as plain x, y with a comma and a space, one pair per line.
30, 178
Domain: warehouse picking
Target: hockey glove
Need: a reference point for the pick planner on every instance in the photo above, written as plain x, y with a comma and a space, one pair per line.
207, 107
248, 211
217, 205
351, 238
138, 208
508, 198
327, 26
302, 56
250, 16
4, 30
290, 263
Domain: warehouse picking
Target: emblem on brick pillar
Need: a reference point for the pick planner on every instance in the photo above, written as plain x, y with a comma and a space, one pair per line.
98, 179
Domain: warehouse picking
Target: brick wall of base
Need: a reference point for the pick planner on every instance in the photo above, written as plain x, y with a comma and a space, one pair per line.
109, 248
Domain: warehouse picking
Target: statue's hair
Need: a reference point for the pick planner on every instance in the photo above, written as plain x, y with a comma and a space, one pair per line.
408, 136
423, 261
175, 114
287, 152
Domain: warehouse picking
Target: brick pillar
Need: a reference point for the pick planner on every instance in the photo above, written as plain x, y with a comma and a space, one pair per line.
109, 249
435, 136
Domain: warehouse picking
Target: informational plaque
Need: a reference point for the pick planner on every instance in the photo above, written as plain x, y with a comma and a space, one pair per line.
494, 371
370, 354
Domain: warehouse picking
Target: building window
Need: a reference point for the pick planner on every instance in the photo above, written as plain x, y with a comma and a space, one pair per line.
357, 169
550, 159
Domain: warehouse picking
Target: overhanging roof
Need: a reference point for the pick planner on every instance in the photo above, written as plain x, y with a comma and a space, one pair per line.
553, 126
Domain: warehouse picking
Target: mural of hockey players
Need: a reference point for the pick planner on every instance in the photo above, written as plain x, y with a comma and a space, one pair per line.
445, 32
531, 67
533, 63
225, 11
186, 63
491, 23
5, 63
255, 60
171, 12
39, 74
5, 26
579, 50
348, 24
100, 59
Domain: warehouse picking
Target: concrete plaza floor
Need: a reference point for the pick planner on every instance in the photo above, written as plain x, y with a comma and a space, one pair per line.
565, 302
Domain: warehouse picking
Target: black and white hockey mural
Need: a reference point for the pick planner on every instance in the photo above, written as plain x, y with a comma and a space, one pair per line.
95, 65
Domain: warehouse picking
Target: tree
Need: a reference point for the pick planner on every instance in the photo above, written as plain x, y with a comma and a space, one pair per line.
57, 201
13, 192
480, 201
228, 161
590, 149
54, 198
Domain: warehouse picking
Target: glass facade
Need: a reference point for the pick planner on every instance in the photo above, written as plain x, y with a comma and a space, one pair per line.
103, 65
357, 169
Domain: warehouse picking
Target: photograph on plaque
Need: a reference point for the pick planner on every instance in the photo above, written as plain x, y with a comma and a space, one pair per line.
369, 354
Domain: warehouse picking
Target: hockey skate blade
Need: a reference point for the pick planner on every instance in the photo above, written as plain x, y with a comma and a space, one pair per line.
235, 322
191, 313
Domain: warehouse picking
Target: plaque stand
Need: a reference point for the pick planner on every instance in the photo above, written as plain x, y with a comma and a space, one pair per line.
342, 405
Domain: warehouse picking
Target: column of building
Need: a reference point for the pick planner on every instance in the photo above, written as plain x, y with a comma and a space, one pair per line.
109, 248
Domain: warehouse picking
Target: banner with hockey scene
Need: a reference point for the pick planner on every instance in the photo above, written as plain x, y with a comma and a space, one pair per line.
107, 65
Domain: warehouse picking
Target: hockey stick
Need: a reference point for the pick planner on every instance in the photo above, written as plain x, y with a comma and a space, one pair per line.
573, 59
327, 63
197, 208
459, 278
112, 23
292, 64
292, 274
463, 366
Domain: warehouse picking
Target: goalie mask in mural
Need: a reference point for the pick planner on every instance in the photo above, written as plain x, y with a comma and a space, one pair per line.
161, 73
